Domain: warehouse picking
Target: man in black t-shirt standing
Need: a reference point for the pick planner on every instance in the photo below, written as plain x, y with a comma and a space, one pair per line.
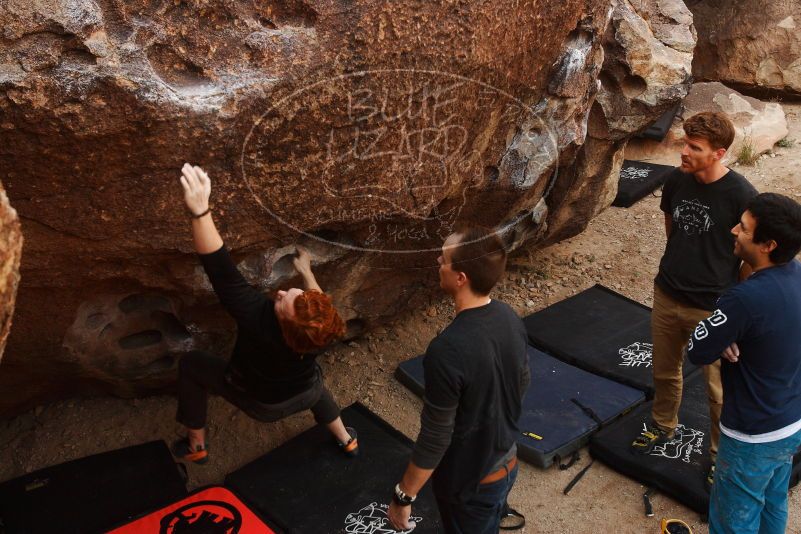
702, 200
476, 373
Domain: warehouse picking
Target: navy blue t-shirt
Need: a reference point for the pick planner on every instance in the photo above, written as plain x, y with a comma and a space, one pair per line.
762, 391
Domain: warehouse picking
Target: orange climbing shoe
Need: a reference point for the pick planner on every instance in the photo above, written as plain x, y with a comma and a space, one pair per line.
351, 448
182, 451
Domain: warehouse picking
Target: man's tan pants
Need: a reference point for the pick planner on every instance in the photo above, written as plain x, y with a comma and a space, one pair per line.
671, 325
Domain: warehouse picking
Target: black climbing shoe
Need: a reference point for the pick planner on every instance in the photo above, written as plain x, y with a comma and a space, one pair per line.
710, 478
351, 448
651, 436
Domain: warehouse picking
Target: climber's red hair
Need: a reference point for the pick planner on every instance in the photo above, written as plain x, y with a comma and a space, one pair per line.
316, 323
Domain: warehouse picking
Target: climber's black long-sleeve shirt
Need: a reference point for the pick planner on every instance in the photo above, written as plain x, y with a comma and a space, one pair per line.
261, 363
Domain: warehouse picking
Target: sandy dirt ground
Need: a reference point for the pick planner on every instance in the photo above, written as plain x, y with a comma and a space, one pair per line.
620, 249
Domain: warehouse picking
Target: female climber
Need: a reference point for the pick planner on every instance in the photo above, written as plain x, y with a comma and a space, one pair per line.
272, 372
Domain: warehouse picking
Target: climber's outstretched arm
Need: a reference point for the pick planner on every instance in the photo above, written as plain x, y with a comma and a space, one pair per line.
197, 189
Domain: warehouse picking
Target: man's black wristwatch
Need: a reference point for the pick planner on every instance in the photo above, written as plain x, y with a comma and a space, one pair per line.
401, 499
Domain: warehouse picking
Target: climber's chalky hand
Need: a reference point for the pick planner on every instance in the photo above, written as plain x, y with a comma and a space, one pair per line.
197, 188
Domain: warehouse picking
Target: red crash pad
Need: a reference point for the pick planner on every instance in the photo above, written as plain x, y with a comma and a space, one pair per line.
213, 509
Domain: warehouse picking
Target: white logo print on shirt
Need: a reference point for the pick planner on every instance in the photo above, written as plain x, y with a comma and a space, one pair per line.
693, 217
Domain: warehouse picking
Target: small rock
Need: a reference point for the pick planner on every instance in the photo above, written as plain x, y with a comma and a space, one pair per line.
530, 303
432, 311
607, 266
353, 345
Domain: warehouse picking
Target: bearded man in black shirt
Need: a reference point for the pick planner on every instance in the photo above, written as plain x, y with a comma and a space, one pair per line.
476, 373
272, 372
702, 200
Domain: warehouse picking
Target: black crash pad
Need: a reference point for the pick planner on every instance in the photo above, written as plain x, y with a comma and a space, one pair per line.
637, 179
602, 332
308, 486
563, 405
91, 494
679, 468
661, 126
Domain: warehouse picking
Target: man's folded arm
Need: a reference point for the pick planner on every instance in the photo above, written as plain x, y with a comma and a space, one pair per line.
713, 335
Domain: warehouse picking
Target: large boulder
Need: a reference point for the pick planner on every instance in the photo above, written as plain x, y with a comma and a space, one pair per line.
646, 70
10, 252
363, 132
749, 44
760, 125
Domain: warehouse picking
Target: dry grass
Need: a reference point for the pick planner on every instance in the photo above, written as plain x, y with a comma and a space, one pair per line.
747, 154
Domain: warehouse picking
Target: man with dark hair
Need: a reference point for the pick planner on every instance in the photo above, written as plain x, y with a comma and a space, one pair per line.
756, 330
476, 373
701, 200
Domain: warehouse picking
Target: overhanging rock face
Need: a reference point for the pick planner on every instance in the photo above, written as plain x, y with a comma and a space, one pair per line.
364, 130
648, 50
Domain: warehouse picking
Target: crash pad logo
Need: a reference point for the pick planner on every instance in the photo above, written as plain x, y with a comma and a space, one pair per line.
202, 517
394, 155
634, 173
636, 355
685, 443
372, 519
693, 217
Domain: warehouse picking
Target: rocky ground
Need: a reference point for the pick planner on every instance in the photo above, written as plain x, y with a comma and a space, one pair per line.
620, 249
